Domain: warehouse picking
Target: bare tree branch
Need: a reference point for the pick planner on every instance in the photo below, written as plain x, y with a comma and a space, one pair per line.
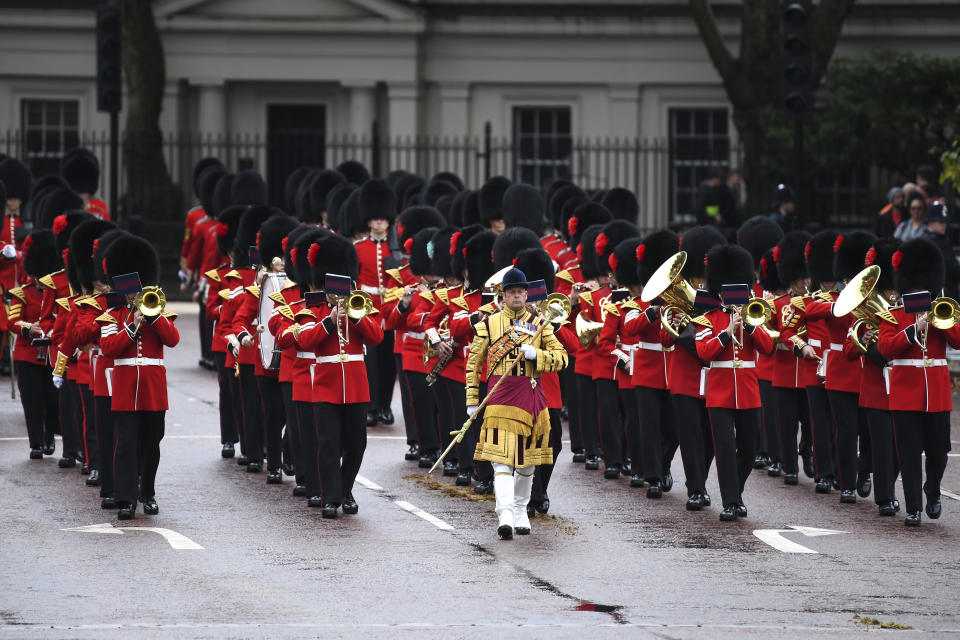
707, 25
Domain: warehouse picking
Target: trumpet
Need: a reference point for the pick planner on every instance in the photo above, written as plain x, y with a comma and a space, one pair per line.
359, 304
667, 284
150, 302
945, 314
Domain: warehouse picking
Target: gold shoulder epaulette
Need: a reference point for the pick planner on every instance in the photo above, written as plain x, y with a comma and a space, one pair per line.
285, 311
588, 299
90, 301
277, 297
19, 293
824, 296
224, 293
612, 308
565, 275
631, 304
798, 303
427, 295
462, 303
233, 273
442, 294
305, 312
393, 294
213, 275
170, 314
254, 289
47, 280
64, 303
395, 274
886, 315
106, 317
703, 321
289, 285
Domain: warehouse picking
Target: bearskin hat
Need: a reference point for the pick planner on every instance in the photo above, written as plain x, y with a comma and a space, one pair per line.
443, 206
758, 234
611, 235
622, 203
248, 187
555, 185
881, 255
558, 198
405, 184
566, 212
523, 207
654, 251
590, 266
335, 201
40, 255
100, 248
417, 247
623, 262
393, 176
413, 219
228, 223
584, 216
728, 264
206, 185
537, 265
377, 200
81, 249
470, 214
511, 242
199, 168
456, 209
819, 256
697, 242
478, 260
271, 235
439, 251
768, 275
300, 254
788, 254
247, 230
133, 254
348, 219
918, 266
436, 189
16, 177
223, 193
54, 204
458, 243
849, 250
291, 186
331, 254
319, 188
448, 176
64, 224
490, 201
81, 169
354, 172
301, 200
287, 244
38, 189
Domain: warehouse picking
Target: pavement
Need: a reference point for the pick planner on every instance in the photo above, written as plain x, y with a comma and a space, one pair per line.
229, 556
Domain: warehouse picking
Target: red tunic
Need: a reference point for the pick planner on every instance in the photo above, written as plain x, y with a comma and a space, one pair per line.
300, 369
651, 357
24, 311
372, 275
280, 321
410, 324
842, 374
732, 381
244, 322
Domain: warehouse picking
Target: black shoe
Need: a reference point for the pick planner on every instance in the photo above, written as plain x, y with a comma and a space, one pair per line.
655, 490
864, 486
791, 479
579, 456
288, 469
759, 462
243, 461
775, 469
126, 511
612, 472
329, 511
67, 462
896, 505
836, 484
627, 468
505, 532
729, 513
848, 496
315, 501
741, 510
591, 463
84, 469
386, 417
449, 468
350, 505
695, 502
228, 450
823, 486
49, 448
667, 482
300, 490
372, 418
254, 466
887, 509
522, 531
912, 519
108, 503
93, 480
934, 509
463, 479
705, 498
543, 505
273, 477
531, 508
413, 453
150, 506
484, 487
427, 460
36, 454
636, 480
809, 469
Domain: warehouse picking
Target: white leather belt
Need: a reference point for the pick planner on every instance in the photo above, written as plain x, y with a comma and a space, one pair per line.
835, 347
733, 364
343, 357
138, 362
784, 347
306, 355
653, 346
374, 291
415, 335
813, 342
919, 362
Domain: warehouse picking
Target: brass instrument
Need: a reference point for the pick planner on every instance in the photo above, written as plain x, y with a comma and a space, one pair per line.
945, 314
861, 298
587, 330
150, 302
359, 304
757, 312
429, 350
556, 308
667, 284
494, 282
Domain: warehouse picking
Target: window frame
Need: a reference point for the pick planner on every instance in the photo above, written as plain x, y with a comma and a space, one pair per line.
536, 163
701, 165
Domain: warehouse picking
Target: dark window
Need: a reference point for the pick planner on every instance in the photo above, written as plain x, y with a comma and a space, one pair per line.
50, 127
699, 139
542, 144
841, 195
296, 137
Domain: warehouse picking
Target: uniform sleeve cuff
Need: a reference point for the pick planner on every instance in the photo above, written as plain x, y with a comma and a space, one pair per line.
724, 338
652, 314
749, 328
328, 325
911, 333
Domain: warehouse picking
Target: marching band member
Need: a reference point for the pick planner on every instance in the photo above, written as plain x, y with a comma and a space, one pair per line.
81, 170
15, 181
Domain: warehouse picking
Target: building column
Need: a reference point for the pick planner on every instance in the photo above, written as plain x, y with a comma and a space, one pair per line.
624, 110
362, 109
454, 103
211, 108
403, 108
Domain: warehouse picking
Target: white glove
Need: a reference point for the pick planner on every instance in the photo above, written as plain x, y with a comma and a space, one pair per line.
57, 381
9, 252
529, 351
471, 410
183, 275
234, 346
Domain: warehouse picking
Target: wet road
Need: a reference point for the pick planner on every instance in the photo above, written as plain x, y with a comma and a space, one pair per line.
421, 559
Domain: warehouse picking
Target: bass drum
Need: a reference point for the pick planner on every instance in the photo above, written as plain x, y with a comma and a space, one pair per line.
269, 352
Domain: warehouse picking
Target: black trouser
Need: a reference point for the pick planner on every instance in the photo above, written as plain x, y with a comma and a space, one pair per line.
789, 404
409, 424
341, 430
229, 409
696, 443
630, 405
658, 432
91, 454
884, 458
274, 417
137, 436
846, 424
38, 397
423, 411
206, 332
865, 460
451, 397
309, 440
251, 440
919, 432
71, 417
381, 372
733, 437
543, 472
823, 430
568, 383
769, 443
105, 443
611, 423
587, 410
293, 430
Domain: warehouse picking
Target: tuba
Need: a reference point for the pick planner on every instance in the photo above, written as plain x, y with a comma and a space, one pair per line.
150, 302
861, 298
667, 284
359, 304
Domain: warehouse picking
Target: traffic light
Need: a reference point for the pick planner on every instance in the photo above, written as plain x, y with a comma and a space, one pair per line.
109, 46
797, 57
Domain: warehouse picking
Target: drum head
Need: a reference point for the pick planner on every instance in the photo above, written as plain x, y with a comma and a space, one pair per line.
272, 283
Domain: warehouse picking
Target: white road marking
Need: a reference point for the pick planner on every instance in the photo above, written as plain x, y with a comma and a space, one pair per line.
417, 511
950, 494
176, 540
773, 538
386, 437
369, 484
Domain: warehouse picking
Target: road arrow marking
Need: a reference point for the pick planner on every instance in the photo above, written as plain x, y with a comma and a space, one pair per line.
369, 484
774, 538
176, 540
420, 513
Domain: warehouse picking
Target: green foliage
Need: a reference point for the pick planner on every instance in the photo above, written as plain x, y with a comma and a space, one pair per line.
950, 160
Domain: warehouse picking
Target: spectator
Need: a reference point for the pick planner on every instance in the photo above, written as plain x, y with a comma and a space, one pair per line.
927, 179
914, 226
936, 231
785, 208
892, 214
707, 207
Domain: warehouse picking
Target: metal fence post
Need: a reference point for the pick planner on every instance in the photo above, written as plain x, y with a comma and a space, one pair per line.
375, 150
486, 150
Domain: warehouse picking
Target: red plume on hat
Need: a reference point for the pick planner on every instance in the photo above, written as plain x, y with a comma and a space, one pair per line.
763, 267
895, 261
680, 242
580, 252
104, 265
96, 245
60, 223
572, 226
400, 229
838, 243
408, 246
613, 262
601, 243
283, 243
258, 241
66, 255
453, 242
776, 253
293, 254
871, 257
313, 253
706, 260
806, 252
223, 229
27, 243
515, 260
641, 249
